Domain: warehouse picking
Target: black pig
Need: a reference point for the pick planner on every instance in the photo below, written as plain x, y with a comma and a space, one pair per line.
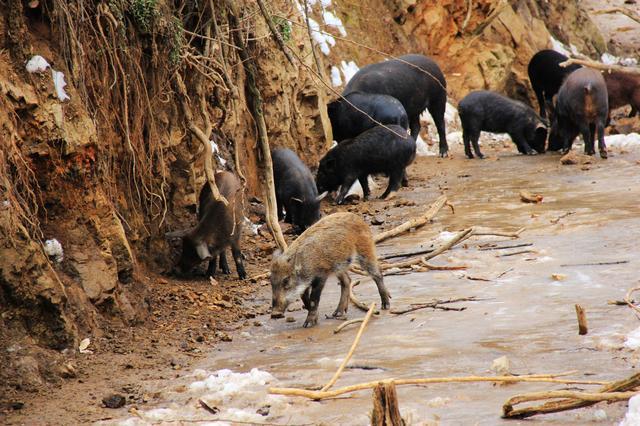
295, 189
582, 108
491, 112
546, 76
218, 227
416, 81
378, 150
347, 122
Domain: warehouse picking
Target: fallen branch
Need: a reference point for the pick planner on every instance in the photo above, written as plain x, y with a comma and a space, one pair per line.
339, 328
413, 223
358, 304
516, 253
407, 254
365, 321
600, 66
434, 305
505, 247
319, 395
572, 402
478, 231
619, 262
630, 302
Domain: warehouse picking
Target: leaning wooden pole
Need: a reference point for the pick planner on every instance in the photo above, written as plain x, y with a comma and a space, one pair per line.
255, 105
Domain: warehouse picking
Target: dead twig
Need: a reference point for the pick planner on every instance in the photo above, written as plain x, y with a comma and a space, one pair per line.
619, 262
365, 321
479, 231
570, 402
600, 66
274, 31
516, 253
434, 304
630, 302
562, 216
339, 328
627, 12
319, 395
506, 247
413, 223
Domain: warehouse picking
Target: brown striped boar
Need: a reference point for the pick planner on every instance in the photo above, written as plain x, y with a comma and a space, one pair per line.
582, 108
326, 248
218, 227
623, 89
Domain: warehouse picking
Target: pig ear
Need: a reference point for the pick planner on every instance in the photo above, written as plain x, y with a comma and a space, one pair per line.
321, 196
177, 234
203, 251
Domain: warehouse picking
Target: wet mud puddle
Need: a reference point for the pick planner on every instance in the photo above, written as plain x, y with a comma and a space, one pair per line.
587, 216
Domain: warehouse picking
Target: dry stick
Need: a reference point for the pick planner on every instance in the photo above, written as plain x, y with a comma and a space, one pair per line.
274, 31
479, 231
352, 350
318, 395
434, 304
624, 385
493, 15
600, 66
629, 13
264, 154
346, 324
516, 253
618, 262
583, 396
582, 320
630, 302
466, 19
202, 137
313, 51
407, 254
505, 247
413, 223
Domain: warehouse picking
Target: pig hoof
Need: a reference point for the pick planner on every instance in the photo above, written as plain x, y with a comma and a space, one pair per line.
339, 315
444, 154
310, 322
469, 156
604, 155
386, 306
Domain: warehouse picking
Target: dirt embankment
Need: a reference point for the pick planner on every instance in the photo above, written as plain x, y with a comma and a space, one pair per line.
112, 168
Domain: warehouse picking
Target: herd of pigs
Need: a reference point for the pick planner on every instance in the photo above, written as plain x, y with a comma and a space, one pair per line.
375, 123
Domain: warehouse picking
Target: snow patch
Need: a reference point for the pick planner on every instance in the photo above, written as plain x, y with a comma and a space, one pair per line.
37, 64
422, 149
59, 83
623, 141
356, 188
333, 21
609, 59
336, 80
348, 70
632, 418
253, 227
633, 341
53, 249
456, 138
323, 40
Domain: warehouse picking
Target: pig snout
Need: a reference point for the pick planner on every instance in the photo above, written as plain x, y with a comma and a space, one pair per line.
278, 306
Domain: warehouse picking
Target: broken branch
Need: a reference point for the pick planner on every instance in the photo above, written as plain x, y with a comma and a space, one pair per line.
365, 321
600, 66
413, 223
434, 305
339, 328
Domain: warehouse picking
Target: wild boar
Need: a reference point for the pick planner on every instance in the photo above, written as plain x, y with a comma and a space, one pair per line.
488, 111
546, 76
218, 227
326, 248
348, 122
623, 89
416, 81
295, 189
582, 108
380, 149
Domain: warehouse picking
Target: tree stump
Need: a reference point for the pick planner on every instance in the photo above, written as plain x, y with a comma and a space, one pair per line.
385, 406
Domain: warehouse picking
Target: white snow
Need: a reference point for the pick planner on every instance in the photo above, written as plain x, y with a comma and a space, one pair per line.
252, 226
632, 418
336, 80
37, 64
215, 150
609, 59
559, 47
356, 188
59, 83
324, 40
348, 70
53, 249
333, 21
623, 141
633, 339
422, 149
456, 138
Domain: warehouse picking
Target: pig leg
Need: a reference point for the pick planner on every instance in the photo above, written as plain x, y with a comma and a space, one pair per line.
466, 138
602, 147
306, 299
633, 112
395, 181
211, 269
541, 101
587, 135
414, 127
364, 182
224, 265
475, 135
237, 258
344, 188
343, 305
314, 300
523, 145
367, 261
437, 110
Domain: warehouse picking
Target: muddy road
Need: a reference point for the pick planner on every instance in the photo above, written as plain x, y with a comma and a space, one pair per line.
590, 214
